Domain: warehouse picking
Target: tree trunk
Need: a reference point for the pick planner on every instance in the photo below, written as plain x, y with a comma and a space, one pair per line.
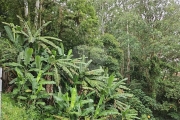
49, 89
128, 56
40, 17
26, 8
36, 14
102, 19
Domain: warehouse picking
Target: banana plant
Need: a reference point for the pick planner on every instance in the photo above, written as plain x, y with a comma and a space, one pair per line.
30, 80
129, 114
107, 91
23, 37
111, 94
64, 66
71, 106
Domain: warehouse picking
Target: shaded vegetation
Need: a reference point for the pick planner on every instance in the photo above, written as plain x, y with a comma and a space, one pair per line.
87, 60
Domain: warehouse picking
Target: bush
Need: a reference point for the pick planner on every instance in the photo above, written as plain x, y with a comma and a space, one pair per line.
11, 111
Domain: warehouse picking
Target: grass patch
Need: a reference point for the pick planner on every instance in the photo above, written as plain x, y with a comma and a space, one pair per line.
11, 111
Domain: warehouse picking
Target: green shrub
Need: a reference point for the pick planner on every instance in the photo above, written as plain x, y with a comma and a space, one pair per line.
11, 111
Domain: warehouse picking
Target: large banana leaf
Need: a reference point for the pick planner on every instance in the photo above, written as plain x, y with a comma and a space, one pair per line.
31, 39
38, 32
110, 81
38, 61
28, 55
9, 33
95, 72
73, 98
109, 112
12, 64
45, 40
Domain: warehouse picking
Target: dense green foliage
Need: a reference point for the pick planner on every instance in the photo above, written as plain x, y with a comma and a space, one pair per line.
99, 59
11, 111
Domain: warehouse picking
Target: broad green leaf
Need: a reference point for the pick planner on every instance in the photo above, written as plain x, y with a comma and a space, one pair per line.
9, 33
39, 75
95, 72
69, 55
28, 90
73, 71
33, 96
29, 34
87, 111
110, 80
41, 103
66, 62
49, 73
67, 71
28, 55
58, 99
97, 111
20, 56
13, 64
22, 32
66, 98
99, 85
119, 85
38, 32
43, 82
38, 61
121, 95
52, 38
35, 69
15, 91
22, 97
109, 112
120, 105
29, 75
34, 85
43, 39
87, 64
73, 98
61, 52
13, 81
48, 107
19, 73
82, 102
45, 47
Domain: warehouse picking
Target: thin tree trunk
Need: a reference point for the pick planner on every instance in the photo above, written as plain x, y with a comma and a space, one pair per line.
102, 19
26, 8
40, 16
49, 89
36, 14
128, 56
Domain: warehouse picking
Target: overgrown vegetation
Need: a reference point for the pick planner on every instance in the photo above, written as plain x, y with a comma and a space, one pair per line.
11, 110
73, 60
